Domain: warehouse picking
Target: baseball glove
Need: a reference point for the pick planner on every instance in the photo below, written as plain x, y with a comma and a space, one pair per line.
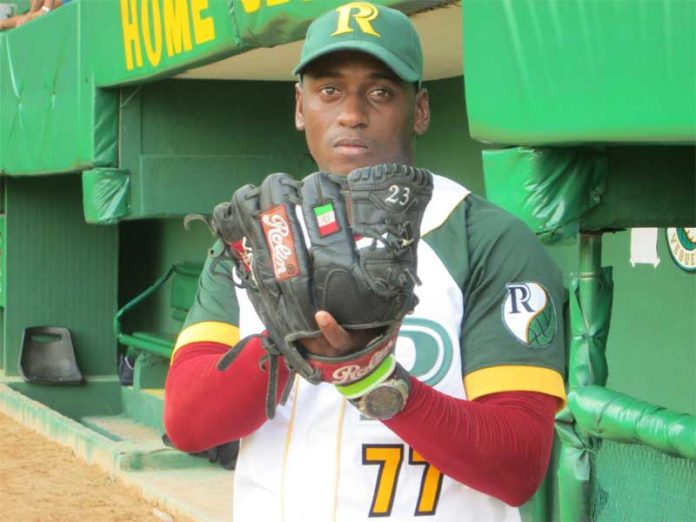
344, 244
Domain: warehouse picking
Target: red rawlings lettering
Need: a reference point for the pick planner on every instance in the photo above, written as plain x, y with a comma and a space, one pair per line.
345, 372
354, 372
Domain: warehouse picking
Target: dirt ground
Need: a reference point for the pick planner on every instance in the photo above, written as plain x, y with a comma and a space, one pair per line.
43, 481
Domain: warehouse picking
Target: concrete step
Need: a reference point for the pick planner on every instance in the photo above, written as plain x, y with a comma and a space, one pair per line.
120, 427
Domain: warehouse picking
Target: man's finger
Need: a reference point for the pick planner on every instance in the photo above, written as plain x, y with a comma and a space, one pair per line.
332, 331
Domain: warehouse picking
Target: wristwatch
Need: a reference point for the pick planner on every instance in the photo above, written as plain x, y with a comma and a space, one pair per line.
388, 398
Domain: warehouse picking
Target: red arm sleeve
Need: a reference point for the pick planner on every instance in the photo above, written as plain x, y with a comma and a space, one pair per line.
205, 407
499, 444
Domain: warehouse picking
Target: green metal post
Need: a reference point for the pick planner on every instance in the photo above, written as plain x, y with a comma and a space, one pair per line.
591, 288
590, 312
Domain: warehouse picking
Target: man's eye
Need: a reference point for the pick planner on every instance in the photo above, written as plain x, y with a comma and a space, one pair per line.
380, 94
329, 91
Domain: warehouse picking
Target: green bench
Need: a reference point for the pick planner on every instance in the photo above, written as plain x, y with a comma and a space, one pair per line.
183, 292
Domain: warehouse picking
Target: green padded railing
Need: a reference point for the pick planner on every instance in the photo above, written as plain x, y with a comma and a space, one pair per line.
148, 343
611, 415
185, 277
596, 415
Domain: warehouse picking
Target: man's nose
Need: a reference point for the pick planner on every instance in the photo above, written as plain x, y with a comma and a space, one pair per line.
354, 112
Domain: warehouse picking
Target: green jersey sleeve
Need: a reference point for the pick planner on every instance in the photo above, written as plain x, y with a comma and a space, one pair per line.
216, 298
511, 336
512, 331
214, 315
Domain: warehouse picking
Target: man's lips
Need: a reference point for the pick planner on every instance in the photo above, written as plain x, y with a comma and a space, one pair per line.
350, 144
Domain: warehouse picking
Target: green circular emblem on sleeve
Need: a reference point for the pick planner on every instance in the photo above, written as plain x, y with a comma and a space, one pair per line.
529, 314
682, 247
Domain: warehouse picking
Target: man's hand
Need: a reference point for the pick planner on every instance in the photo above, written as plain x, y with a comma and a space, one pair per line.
335, 340
38, 8
357, 278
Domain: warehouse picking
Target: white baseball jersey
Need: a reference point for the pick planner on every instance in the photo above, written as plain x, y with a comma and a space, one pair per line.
486, 322
320, 460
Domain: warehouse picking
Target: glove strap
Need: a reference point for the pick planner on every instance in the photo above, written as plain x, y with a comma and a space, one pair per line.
358, 365
272, 388
272, 359
231, 354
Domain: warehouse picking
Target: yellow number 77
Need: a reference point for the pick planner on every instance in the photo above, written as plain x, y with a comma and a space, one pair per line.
389, 458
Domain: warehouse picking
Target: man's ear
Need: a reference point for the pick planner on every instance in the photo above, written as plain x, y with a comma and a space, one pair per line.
421, 120
299, 116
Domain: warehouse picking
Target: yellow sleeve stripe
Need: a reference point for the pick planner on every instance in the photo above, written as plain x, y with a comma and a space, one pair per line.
514, 378
210, 331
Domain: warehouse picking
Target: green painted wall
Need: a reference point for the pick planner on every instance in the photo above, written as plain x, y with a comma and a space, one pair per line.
61, 271
187, 144
651, 351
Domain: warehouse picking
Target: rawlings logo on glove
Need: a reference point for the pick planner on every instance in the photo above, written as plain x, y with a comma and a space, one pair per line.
280, 242
352, 254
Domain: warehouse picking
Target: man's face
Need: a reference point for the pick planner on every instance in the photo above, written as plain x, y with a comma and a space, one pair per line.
356, 112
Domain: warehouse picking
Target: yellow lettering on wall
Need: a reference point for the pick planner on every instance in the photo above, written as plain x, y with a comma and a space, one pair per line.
177, 29
364, 14
203, 28
131, 36
154, 53
171, 20
251, 6
271, 3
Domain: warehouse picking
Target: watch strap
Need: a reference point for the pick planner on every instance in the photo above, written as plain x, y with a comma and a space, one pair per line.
368, 383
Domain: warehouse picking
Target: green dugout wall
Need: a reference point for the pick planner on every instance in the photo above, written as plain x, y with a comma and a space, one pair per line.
577, 116
592, 107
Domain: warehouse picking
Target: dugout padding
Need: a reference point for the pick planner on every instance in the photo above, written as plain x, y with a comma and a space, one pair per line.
564, 73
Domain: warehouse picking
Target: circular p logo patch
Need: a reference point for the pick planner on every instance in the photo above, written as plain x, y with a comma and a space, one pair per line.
529, 314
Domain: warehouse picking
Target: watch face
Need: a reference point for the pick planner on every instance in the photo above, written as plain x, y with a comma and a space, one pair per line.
383, 402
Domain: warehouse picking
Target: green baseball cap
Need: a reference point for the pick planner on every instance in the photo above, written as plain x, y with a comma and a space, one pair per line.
385, 33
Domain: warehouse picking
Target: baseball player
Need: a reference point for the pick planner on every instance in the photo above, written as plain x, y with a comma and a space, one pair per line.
463, 427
